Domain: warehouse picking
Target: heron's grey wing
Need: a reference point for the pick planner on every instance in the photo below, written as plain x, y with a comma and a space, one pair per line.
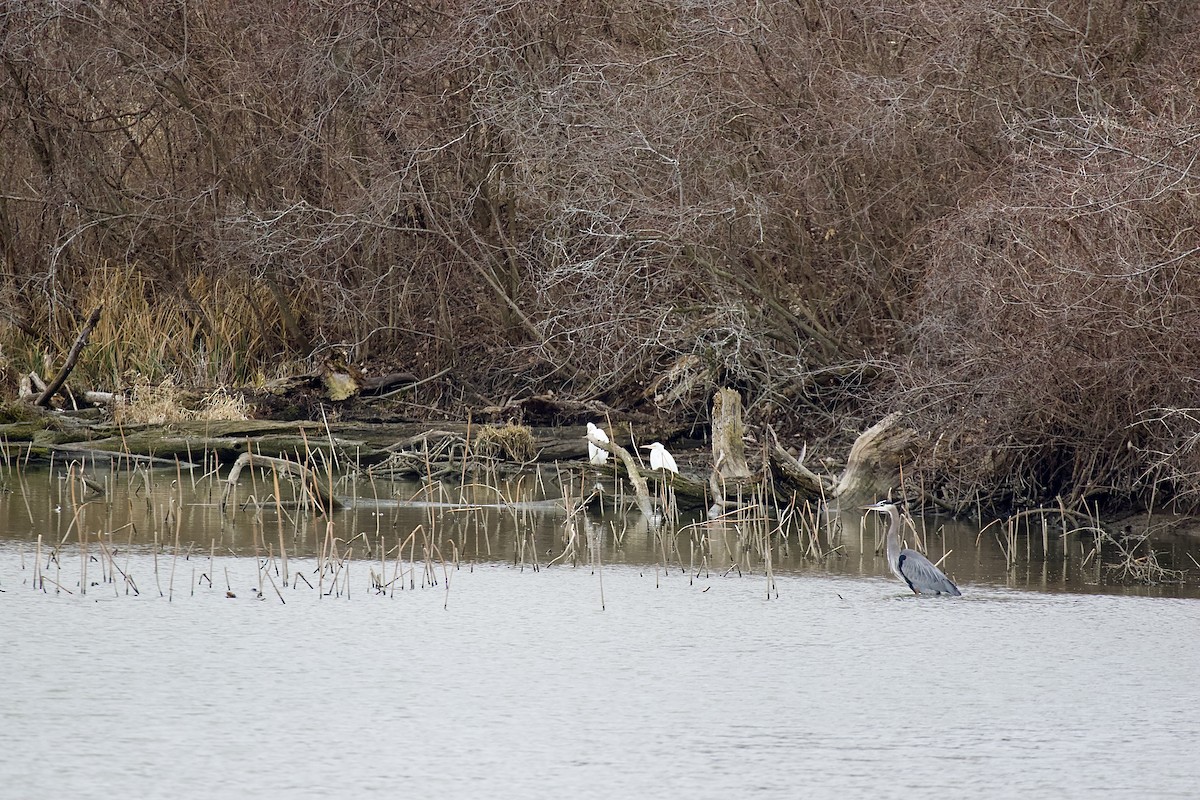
922, 576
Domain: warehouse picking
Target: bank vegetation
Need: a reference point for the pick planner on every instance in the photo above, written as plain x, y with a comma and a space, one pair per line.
979, 214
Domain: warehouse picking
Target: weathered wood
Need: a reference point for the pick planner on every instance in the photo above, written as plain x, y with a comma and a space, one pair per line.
793, 475
72, 357
381, 384
632, 472
875, 459
311, 480
116, 457
553, 504
730, 472
728, 438
340, 378
340, 386
32, 386
216, 428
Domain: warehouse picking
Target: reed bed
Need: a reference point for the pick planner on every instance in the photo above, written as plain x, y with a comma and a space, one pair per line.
124, 528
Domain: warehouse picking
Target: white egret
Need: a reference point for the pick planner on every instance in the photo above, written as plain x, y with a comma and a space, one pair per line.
660, 458
597, 455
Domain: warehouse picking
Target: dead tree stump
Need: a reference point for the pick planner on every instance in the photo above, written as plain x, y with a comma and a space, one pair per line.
730, 470
728, 437
875, 459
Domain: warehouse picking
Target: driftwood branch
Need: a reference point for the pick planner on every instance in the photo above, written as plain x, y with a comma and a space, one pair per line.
311, 480
72, 357
631, 469
794, 474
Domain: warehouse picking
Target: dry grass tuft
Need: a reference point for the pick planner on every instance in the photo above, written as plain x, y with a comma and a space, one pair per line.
163, 403
148, 404
222, 337
510, 441
222, 404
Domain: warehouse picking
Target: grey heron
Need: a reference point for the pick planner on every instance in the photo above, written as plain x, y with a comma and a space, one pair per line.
908, 565
660, 458
597, 455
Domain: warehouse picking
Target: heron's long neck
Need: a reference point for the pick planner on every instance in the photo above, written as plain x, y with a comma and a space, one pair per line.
893, 535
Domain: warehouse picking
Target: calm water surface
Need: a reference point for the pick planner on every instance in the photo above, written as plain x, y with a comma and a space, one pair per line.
513, 681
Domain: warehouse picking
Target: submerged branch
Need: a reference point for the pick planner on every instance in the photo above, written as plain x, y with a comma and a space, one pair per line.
311, 481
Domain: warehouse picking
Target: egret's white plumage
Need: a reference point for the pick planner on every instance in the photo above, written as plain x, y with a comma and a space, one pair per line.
595, 454
660, 458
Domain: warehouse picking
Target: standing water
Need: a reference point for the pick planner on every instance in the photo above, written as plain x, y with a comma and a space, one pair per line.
497, 656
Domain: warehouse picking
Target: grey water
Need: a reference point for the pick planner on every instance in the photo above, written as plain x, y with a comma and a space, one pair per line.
629, 668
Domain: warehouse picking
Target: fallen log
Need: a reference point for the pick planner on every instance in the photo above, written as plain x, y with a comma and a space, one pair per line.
553, 504
381, 384
792, 473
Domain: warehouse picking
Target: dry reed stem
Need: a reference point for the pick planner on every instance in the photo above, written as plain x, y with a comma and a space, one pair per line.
174, 558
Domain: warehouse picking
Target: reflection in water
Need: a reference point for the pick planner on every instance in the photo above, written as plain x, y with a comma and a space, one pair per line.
504, 678
158, 509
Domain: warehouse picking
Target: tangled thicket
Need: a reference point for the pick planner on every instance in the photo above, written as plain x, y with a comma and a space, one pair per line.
980, 213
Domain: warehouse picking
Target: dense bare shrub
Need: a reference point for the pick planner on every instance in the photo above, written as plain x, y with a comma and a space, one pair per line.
632, 201
1057, 310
